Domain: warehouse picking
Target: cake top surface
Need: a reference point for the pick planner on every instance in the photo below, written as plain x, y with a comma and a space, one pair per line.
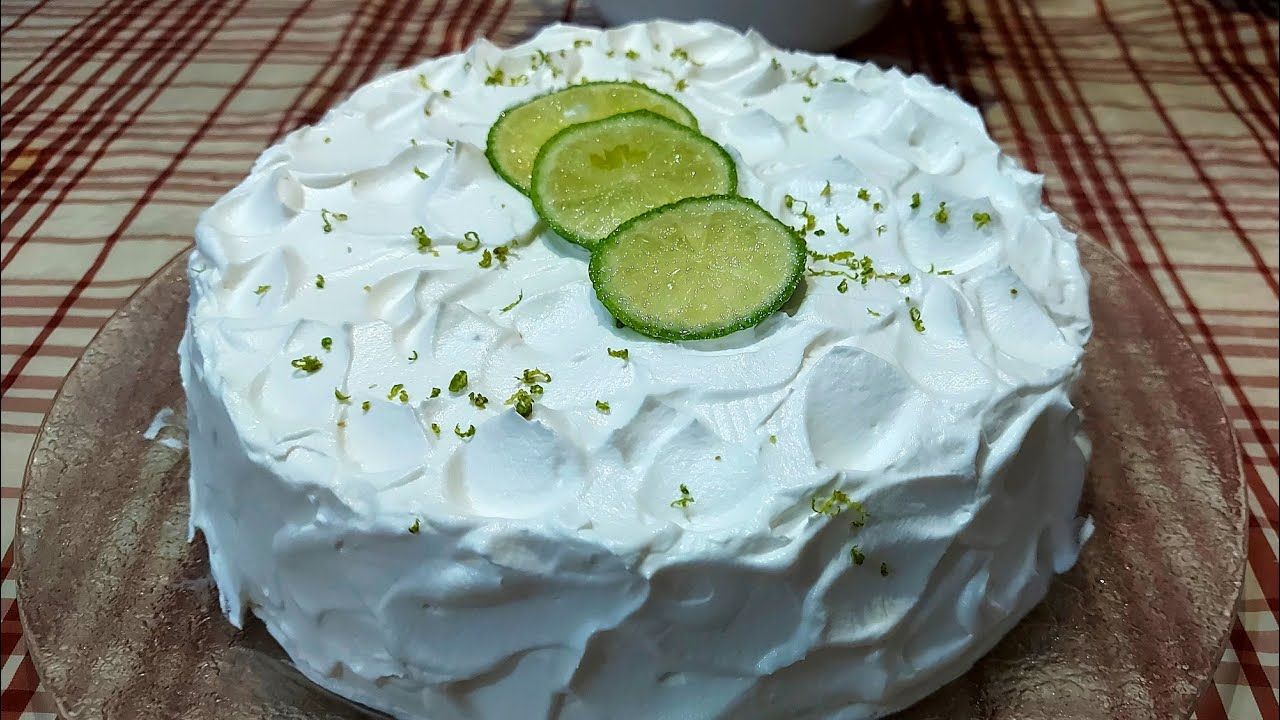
345, 285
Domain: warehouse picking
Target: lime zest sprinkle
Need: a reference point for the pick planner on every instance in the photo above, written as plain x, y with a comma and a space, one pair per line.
602, 406
262, 290
872, 313
419, 233
773, 439
327, 217
810, 222
326, 343
915, 200
341, 397
540, 58
884, 569
416, 527
319, 282
860, 515
523, 402
877, 206
486, 259
422, 82
366, 405
800, 123
534, 376
308, 364
578, 44
864, 195
852, 267
806, 76
435, 393
513, 303
880, 230
826, 190
470, 241
916, 321
682, 85
458, 382
1013, 292
941, 215
498, 77
478, 400
435, 428
414, 356
981, 220
832, 505
856, 555
685, 499
841, 226
632, 55
418, 171
623, 354
464, 434
682, 54
398, 391
843, 287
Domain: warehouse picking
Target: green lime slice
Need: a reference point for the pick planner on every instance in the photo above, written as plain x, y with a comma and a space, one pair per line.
699, 268
591, 178
520, 131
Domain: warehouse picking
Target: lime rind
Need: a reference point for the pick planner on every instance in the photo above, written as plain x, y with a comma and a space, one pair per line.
749, 317
540, 166
494, 142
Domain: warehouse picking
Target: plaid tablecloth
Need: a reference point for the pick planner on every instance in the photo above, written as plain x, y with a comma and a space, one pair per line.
1154, 120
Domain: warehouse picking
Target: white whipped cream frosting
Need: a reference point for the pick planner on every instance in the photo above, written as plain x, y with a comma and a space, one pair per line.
550, 576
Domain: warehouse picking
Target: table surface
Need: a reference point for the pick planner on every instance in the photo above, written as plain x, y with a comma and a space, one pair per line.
1155, 122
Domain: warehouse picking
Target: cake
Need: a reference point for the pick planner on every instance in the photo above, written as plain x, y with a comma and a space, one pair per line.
827, 515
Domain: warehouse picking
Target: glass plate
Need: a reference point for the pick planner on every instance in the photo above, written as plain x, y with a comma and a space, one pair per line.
122, 620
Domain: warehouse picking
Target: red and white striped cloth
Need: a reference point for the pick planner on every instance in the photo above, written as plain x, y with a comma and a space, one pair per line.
1154, 120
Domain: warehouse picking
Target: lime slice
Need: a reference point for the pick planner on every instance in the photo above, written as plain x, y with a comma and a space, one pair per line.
591, 178
699, 268
514, 140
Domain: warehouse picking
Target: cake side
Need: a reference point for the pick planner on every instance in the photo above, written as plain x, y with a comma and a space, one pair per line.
429, 570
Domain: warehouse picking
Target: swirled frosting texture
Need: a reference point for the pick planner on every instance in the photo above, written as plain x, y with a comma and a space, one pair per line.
547, 573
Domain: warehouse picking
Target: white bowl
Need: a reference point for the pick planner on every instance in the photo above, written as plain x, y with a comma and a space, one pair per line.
817, 25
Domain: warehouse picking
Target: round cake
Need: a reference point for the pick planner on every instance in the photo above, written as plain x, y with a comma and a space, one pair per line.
452, 485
